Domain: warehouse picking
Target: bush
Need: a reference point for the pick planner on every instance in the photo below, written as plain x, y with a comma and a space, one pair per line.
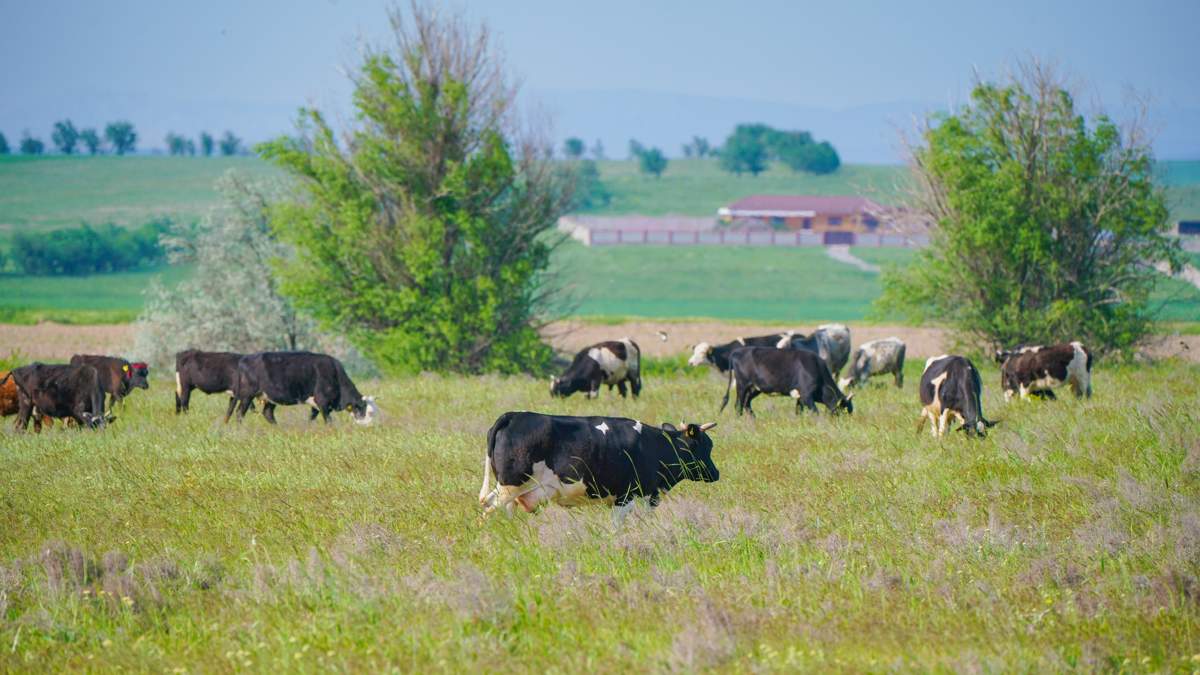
88, 250
590, 192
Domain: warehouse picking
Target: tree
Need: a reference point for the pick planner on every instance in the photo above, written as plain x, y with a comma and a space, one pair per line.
597, 150
189, 147
206, 143
4, 149
65, 136
236, 306
589, 191
31, 145
90, 140
635, 149
744, 151
700, 146
121, 136
653, 161
230, 144
1046, 223
573, 148
176, 144
424, 234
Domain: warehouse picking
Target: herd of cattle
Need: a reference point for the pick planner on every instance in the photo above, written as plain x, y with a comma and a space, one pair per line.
536, 458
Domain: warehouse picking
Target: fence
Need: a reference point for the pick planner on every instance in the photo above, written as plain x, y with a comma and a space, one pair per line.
624, 237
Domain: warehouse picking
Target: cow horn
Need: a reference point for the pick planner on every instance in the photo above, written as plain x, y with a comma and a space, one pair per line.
707, 425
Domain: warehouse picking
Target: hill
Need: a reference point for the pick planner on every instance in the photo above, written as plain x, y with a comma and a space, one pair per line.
51, 192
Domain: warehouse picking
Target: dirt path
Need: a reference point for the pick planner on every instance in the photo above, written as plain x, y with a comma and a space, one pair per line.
842, 254
57, 342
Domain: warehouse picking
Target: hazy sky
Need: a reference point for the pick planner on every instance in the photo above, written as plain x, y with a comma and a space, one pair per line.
248, 64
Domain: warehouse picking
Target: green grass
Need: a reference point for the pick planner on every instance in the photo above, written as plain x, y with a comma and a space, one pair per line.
113, 298
749, 283
53, 192
50, 192
1065, 540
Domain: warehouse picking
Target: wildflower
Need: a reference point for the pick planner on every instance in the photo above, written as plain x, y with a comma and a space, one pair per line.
128, 601
106, 643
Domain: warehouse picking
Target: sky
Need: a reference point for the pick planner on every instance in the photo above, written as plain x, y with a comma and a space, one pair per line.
850, 71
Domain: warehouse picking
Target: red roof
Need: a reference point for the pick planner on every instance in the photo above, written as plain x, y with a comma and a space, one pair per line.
802, 205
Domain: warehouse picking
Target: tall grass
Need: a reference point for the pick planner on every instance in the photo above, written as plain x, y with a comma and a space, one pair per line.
1069, 538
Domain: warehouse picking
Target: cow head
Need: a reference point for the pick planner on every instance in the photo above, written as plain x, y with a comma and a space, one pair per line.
364, 411
846, 404
700, 353
562, 387
98, 421
693, 448
136, 375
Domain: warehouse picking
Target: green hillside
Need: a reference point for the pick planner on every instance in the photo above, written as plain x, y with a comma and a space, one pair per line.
50, 192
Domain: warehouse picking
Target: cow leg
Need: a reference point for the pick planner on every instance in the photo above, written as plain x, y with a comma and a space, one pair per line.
943, 423
899, 378
228, 410
750, 397
313, 412
23, 413
243, 406
325, 413
620, 388
269, 412
635, 383
183, 399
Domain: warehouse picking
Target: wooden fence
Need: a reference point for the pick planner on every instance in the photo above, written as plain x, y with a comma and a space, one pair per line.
625, 237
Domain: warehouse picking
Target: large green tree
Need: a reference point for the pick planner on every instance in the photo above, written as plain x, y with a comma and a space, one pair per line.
121, 136
1045, 224
424, 234
65, 136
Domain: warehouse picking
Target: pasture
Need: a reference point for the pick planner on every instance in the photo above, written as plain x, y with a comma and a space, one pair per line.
55, 191
1069, 538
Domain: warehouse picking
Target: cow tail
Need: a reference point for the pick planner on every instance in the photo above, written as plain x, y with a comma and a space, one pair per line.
728, 385
488, 469
636, 381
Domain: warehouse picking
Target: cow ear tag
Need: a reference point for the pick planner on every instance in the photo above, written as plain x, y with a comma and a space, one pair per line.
349, 408
125, 368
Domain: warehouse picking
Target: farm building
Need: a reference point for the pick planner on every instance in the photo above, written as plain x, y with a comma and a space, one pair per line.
805, 212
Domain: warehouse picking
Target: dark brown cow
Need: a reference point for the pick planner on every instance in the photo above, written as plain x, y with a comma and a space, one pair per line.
1036, 370
10, 402
117, 376
68, 392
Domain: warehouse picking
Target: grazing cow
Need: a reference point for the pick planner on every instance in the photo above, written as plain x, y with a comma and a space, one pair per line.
292, 378
117, 376
1034, 370
210, 372
797, 373
539, 458
950, 386
718, 356
10, 402
611, 363
68, 392
876, 358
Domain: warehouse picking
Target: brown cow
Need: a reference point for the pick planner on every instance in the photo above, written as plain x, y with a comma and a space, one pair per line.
10, 405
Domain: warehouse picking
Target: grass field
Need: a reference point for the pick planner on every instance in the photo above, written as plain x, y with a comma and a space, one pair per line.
1068, 539
54, 192
102, 298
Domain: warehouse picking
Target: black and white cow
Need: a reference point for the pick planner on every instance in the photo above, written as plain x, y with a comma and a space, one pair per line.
1035, 370
538, 458
210, 372
718, 356
800, 374
293, 378
876, 357
951, 387
613, 363
67, 392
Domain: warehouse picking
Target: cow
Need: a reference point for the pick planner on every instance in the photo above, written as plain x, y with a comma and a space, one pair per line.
10, 402
210, 372
611, 363
292, 378
951, 386
570, 461
800, 374
70, 392
830, 341
718, 355
1034, 370
876, 357
117, 376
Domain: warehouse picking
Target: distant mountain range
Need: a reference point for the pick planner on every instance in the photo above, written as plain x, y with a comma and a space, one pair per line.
865, 134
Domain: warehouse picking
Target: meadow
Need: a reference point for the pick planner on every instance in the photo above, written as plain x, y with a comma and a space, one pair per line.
52, 192
1069, 538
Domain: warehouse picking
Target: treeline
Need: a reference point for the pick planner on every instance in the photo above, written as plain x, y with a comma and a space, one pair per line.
119, 138
87, 249
749, 149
